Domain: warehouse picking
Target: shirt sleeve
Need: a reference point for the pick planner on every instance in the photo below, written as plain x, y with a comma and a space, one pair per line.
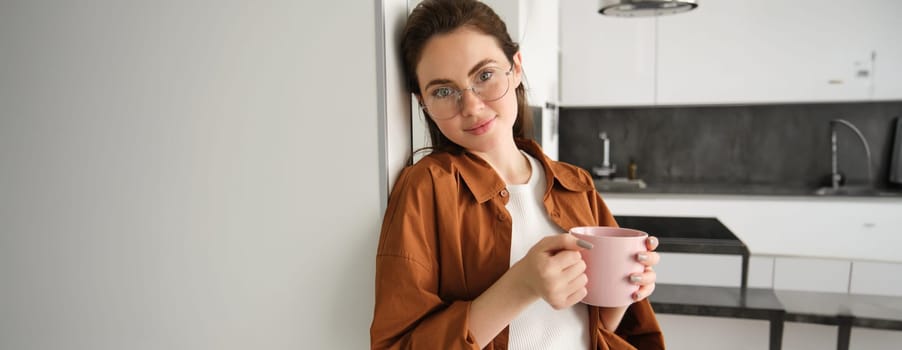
640, 327
630, 335
409, 313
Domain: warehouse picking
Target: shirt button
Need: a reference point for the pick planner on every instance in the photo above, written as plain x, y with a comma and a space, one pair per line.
503, 193
500, 217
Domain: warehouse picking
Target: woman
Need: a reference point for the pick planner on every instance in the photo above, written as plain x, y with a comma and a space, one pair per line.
469, 255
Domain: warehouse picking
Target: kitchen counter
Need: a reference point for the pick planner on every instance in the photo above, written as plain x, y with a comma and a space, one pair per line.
751, 303
871, 311
608, 186
698, 234
831, 227
779, 306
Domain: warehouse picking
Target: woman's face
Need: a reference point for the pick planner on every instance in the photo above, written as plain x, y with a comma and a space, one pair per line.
459, 60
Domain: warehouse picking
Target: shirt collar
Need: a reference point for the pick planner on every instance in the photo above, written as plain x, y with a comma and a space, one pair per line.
485, 183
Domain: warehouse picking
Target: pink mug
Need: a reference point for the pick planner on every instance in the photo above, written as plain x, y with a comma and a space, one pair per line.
610, 263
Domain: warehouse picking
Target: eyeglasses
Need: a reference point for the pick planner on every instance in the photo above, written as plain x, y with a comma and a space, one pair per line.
489, 84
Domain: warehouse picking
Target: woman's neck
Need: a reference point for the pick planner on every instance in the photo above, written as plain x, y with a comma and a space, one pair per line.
509, 163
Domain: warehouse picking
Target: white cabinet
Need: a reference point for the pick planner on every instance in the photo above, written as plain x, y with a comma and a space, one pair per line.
752, 51
605, 61
733, 52
885, 24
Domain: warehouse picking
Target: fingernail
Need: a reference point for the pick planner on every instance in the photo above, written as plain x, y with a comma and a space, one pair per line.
635, 279
642, 257
653, 240
584, 244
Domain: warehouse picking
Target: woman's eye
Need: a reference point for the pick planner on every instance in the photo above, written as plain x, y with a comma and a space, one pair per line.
442, 92
486, 75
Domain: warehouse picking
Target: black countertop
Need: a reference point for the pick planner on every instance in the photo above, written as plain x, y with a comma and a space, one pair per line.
759, 303
607, 186
872, 311
859, 310
749, 303
687, 234
696, 235
678, 227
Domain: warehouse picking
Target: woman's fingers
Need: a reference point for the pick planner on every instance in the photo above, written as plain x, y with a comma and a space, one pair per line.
570, 293
643, 292
565, 293
561, 242
648, 258
557, 270
574, 270
572, 278
577, 296
646, 282
651, 243
645, 278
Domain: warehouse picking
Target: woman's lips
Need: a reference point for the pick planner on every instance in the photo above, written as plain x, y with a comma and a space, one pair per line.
481, 128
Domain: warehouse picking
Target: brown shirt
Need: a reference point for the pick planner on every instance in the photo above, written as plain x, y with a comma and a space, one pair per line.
446, 238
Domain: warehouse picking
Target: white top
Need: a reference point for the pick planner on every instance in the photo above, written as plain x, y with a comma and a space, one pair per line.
540, 326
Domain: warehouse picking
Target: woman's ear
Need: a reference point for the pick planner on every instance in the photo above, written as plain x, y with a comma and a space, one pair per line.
518, 68
420, 101
421, 104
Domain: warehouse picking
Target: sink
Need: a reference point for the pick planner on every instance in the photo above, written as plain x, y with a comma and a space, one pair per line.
863, 191
620, 184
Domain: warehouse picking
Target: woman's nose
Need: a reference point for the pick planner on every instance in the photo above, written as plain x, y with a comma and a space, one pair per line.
470, 102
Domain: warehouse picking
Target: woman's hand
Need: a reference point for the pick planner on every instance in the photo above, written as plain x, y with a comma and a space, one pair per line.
554, 270
646, 280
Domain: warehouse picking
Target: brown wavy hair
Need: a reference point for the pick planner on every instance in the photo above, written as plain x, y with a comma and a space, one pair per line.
434, 17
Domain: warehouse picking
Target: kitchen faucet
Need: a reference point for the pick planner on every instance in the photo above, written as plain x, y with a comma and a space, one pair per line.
835, 176
606, 170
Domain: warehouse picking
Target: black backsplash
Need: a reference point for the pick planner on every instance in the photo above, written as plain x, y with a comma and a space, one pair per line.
780, 145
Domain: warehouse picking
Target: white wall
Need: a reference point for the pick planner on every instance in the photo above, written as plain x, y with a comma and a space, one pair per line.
187, 174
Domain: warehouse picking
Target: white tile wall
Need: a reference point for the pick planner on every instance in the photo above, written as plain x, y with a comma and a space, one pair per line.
876, 278
700, 269
761, 272
810, 274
